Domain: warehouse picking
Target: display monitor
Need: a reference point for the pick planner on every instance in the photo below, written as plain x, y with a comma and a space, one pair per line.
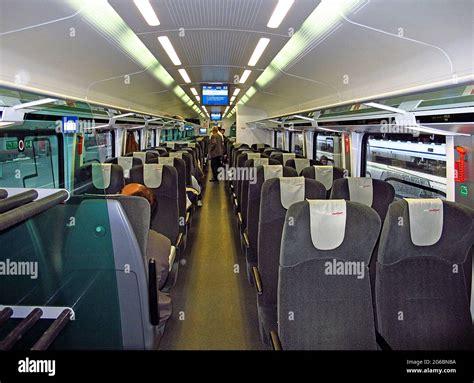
215, 94
202, 130
216, 116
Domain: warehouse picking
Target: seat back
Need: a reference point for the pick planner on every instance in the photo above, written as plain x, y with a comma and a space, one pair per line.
126, 163
300, 163
180, 167
187, 158
422, 283
282, 158
324, 174
163, 181
324, 294
264, 173
277, 195
99, 178
371, 192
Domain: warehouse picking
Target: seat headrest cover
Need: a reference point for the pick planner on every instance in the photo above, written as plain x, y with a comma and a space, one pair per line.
101, 175
288, 156
141, 156
292, 190
126, 163
176, 155
170, 145
237, 145
325, 175
260, 146
252, 156
260, 161
152, 175
272, 171
361, 190
191, 145
328, 223
300, 164
426, 220
166, 161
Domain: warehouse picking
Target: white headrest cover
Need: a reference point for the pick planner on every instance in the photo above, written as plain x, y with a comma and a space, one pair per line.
300, 164
126, 163
260, 161
152, 175
272, 171
288, 156
166, 161
176, 155
237, 145
170, 145
324, 174
252, 156
361, 190
328, 223
291, 190
140, 156
426, 220
191, 144
101, 175
260, 146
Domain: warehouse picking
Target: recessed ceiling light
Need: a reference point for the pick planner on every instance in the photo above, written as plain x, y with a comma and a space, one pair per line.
245, 76
184, 75
257, 53
194, 91
279, 13
168, 47
147, 12
236, 92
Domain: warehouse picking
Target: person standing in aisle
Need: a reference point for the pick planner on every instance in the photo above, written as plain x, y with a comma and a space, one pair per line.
216, 150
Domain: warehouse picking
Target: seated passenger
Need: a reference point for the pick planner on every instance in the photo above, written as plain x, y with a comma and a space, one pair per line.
158, 247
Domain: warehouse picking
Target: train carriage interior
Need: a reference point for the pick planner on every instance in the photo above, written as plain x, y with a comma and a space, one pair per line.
237, 175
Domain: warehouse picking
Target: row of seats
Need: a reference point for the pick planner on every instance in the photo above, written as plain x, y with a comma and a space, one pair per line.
363, 203
174, 175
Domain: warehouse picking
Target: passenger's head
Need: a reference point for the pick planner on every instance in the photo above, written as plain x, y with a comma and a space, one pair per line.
222, 130
324, 160
140, 190
214, 130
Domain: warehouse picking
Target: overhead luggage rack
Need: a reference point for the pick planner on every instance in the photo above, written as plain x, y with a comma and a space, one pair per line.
31, 316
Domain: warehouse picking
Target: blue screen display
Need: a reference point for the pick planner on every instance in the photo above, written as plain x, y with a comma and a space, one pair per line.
215, 116
215, 94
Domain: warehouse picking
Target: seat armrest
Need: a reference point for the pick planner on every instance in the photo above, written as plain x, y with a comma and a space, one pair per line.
275, 341
239, 218
179, 241
257, 279
153, 293
245, 237
192, 190
382, 342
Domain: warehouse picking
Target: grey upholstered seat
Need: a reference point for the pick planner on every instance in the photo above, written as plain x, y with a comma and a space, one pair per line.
97, 178
300, 163
244, 188
163, 181
324, 293
324, 174
277, 196
371, 192
250, 234
423, 278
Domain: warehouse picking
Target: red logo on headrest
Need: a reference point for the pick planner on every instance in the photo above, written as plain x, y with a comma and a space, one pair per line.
434, 210
337, 213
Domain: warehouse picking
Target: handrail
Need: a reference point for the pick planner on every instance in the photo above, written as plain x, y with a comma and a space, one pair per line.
423, 187
53, 331
22, 213
17, 200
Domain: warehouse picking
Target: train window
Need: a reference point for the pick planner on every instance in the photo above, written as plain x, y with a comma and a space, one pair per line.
328, 149
98, 146
415, 166
29, 161
298, 143
150, 138
279, 140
